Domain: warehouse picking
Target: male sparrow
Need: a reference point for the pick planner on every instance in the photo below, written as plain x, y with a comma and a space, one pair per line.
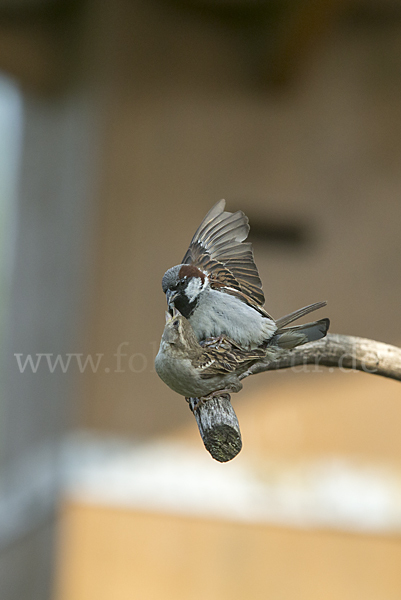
218, 289
196, 371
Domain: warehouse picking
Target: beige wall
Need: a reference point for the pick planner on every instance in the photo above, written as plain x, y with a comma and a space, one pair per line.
118, 554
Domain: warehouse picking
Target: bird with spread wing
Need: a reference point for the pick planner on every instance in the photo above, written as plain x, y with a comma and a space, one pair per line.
218, 289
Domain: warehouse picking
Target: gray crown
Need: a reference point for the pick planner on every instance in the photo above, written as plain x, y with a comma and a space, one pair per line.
171, 278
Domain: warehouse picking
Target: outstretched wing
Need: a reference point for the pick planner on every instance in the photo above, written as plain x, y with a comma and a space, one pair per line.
217, 248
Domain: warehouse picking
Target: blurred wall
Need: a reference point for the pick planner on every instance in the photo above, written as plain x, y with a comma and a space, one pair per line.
48, 255
189, 122
139, 118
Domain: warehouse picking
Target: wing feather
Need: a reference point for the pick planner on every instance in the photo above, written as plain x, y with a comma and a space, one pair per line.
217, 248
222, 356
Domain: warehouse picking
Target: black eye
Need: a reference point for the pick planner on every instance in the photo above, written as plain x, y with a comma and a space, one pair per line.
176, 323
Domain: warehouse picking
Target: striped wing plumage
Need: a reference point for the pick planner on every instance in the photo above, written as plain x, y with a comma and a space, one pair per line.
217, 248
222, 356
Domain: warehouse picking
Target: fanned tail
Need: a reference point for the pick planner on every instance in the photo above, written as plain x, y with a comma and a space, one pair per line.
297, 335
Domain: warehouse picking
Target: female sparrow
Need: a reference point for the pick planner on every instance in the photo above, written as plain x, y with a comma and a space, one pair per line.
218, 289
196, 371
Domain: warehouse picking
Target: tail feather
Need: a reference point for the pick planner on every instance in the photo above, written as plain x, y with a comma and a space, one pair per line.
300, 334
297, 314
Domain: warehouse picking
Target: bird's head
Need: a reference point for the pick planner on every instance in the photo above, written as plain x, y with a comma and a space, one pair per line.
183, 285
179, 334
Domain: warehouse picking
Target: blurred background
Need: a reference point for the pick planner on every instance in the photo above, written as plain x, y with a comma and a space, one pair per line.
121, 124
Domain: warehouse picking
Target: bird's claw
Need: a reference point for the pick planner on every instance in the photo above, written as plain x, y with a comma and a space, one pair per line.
216, 394
214, 342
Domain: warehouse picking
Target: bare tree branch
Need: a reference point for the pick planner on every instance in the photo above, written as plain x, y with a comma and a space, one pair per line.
216, 418
343, 351
218, 426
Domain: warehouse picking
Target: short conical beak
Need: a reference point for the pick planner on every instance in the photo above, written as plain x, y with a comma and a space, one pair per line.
176, 313
171, 296
171, 315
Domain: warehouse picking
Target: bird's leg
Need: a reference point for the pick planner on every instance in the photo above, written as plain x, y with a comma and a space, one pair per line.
215, 394
199, 404
246, 373
220, 339
214, 342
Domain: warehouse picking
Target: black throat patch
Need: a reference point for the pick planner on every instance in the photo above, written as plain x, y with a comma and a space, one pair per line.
182, 303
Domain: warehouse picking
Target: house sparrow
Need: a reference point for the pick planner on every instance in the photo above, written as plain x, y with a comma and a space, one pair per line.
218, 289
196, 371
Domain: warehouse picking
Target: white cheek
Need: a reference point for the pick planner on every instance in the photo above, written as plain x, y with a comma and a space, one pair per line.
193, 288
